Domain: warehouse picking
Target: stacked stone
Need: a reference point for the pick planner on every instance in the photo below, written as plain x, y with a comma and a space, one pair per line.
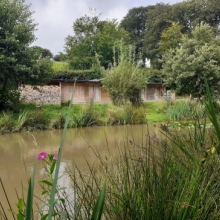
40, 94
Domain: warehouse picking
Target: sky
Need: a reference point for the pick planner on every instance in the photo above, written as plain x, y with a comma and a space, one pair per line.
55, 17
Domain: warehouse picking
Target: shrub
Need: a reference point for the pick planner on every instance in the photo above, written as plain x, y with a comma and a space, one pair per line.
124, 81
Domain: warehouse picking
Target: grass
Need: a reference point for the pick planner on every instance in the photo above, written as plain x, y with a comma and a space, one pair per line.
185, 110
60, 66
30, 117
156, 111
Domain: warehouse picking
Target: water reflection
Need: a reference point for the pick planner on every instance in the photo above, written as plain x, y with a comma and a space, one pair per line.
19, 150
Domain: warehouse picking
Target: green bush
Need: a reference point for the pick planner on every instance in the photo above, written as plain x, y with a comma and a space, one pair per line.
124, 81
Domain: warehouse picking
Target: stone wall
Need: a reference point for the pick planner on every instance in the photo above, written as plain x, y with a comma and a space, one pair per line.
40, 94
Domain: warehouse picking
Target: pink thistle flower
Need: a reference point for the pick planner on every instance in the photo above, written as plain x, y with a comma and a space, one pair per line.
42, 156
55, 157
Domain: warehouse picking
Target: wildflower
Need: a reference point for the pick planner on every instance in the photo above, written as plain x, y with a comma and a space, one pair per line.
55, 157
42, 156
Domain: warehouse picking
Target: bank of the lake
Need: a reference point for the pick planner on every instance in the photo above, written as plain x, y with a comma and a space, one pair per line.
29, 117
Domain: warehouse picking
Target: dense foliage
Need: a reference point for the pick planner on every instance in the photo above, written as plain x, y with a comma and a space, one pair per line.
146, 24
197, 58
18, 62
124, 81
59, 57
92, 42
72, 75
171, 37
42, 52
134, 23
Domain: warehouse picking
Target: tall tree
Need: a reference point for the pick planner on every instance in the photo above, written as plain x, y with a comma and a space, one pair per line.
60, 57
171, 37
18, 62
43, 52
159, 18
197, 58
93, 39
193, 12
135, 24
187, 13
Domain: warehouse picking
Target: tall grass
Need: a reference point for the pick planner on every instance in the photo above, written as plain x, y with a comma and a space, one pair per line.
53, 117
184, 110
160, 179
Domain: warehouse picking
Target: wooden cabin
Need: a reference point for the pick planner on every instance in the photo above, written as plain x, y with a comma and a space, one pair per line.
59, 91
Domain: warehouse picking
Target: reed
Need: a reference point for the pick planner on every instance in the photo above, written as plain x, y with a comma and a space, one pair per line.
87, 116
184, 110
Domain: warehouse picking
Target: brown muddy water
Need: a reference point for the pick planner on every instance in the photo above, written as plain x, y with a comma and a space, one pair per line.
19, 150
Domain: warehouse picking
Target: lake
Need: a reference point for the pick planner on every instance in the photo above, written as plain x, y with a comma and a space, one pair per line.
19, 150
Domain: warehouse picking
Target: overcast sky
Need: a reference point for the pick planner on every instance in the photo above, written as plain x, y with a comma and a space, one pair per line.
55, 17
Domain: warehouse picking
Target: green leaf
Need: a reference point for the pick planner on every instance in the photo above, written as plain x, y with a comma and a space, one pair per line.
50, 157
29, 201
20, 216
212, 115
20, 205
62, 200
63, 213
45, 191
61, 188
98, 209
44, 217
47, 182
52, 167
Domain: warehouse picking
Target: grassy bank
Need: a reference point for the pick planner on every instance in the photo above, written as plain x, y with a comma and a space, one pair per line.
30, 118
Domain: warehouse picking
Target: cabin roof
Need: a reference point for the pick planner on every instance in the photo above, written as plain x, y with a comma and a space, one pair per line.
94, 81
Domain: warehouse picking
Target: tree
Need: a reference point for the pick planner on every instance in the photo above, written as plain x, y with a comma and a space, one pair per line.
197, 58
18, 63
187, 13
135, 24
92, 40
124, 81
60, 57
193, 12
43, 52
159, 18
171, 37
